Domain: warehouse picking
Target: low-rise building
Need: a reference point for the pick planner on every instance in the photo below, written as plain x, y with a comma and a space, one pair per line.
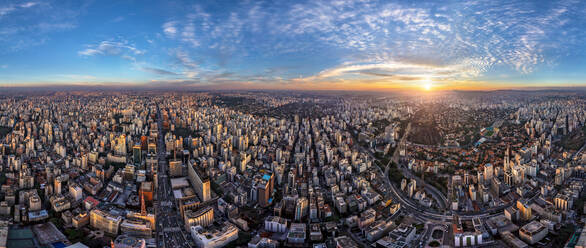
466, 233
513, 241
214, 237
533, 232
403, 233
136, 228
297, 233
345, 242
105, 221
125, 241
202, 217
378, 229
80, 220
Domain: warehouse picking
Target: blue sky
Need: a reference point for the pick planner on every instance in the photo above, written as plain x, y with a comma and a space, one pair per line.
294, 44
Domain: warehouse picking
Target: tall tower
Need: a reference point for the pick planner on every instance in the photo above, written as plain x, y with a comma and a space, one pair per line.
507, 159
142, 205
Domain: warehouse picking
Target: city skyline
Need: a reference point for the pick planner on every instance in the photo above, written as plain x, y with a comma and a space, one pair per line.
322, 45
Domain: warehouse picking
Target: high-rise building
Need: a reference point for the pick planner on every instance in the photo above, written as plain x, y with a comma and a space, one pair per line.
488, 172
120, 145
301, 208
480, 177
35, 202
200, 182
508, 177
175, 168
496, 186
507, 159
152, 148
559, 176
524, 210
146, 189
137, 154
265, 190
57, 187
472, 192
75, 191
561, 202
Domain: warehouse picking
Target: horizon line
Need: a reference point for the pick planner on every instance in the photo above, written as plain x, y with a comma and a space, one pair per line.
211, 88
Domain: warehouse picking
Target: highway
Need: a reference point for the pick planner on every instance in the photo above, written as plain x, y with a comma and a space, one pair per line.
577, 152
169, 221
426, 214
439, 197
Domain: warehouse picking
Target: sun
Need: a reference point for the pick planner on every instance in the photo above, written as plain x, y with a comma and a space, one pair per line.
427, 84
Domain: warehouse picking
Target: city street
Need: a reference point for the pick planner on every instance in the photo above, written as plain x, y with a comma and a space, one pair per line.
170, 227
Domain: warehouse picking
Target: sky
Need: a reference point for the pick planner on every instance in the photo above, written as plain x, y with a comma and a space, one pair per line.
338, 44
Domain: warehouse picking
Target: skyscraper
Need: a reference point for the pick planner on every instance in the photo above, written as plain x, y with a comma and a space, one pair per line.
137, 154
301, 208
200, 182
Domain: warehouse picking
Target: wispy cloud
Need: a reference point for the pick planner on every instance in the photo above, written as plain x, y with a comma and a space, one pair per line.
113, 48
395, 71
190, 67
30, 23
158, 71
10, 8
170, 29
467, 38
321, 41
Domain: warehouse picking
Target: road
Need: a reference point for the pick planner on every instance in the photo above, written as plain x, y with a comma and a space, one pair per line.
169, 221
421, 213
439, 197
577, 152
429, 228
401, 144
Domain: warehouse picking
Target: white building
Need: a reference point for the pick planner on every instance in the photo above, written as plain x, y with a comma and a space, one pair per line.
212, 238
76, 192
533, 232
276, 224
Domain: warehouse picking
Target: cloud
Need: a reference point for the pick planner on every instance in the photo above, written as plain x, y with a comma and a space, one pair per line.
10, 8
157, 71
183, 59
397, 72
28, 4
469, 38
6, 10
169, 28
31, 23
89, 52
112, 48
